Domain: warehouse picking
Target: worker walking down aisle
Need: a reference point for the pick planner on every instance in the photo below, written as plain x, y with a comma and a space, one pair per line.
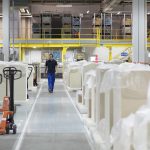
54, 123
50, 69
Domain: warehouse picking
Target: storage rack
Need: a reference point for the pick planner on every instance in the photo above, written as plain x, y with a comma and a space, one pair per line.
97, 22
36, 26
75, 26
56, 24
46, 25
126, 26
107, 26
66, 26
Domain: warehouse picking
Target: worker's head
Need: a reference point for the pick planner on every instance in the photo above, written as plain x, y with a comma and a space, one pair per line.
50, 56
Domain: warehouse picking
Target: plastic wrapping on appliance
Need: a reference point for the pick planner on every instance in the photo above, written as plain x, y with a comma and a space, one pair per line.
121, 134
106, 66
87, 94
73, 69
116, 61
89, 82
90, 74
78, 63
141, 130
148, 95
88, 87
102, 128
133, 132
124, 76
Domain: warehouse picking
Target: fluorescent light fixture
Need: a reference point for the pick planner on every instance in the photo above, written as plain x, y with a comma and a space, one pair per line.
64, 6
22, 10
34, 47
87, 11
27, 16
118, 13
81, 15
148, 13
27, 11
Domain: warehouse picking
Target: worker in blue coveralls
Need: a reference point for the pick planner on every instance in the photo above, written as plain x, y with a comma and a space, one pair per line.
50, 69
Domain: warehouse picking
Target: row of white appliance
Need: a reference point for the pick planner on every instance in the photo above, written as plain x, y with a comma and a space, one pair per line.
113, 102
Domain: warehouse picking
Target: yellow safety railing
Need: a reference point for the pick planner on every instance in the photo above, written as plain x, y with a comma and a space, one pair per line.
72, 33
116, 34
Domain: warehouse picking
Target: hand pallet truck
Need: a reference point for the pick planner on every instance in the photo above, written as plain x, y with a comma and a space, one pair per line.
5, 111
7, 122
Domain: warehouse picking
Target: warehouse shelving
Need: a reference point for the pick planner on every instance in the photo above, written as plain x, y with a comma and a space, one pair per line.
66, 26
107, 26
46, 25
36, 26
127, 26
75, 26
97, 22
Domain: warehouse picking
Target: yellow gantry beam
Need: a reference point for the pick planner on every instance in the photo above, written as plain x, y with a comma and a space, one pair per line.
20, 53
64, 51
110, 54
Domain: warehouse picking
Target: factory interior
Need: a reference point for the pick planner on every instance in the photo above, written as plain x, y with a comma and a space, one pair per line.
74, 74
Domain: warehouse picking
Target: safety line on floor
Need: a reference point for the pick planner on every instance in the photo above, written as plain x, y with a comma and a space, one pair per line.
18, 144
90, 141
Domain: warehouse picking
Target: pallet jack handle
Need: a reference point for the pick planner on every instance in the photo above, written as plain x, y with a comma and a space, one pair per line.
29, 75
1, 78
11, 73
30, 69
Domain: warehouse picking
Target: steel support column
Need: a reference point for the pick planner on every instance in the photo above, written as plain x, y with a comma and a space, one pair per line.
6, 39
139, 39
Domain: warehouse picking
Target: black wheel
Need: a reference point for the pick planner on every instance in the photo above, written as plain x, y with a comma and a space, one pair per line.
7, 130
14, 129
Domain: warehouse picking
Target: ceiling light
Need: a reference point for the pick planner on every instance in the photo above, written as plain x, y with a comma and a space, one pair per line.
28, 16
148, 13
22, 10
34, 47
87, 11
81, 15
64, 6
27, 11
118, 13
